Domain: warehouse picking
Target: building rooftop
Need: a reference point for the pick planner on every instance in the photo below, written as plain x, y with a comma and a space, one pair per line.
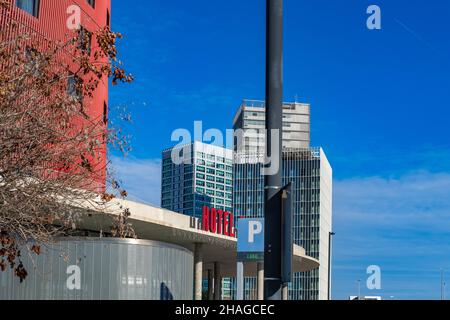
259, 105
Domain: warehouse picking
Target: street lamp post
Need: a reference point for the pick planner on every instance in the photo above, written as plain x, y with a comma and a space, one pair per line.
274, 121
359, 290
330, 238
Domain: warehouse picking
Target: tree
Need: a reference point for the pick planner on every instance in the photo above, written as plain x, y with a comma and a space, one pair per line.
52, 147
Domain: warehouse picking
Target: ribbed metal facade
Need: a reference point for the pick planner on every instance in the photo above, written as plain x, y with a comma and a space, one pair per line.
49, 21
311, 175
110, 269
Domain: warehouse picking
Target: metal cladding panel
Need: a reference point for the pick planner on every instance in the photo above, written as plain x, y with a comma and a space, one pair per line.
110, 269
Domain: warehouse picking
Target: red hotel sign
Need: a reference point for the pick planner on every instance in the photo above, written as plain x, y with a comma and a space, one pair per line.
216, 221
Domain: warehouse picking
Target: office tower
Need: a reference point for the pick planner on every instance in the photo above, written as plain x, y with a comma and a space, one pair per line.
205, 177
48, 19
251, 117
311, 174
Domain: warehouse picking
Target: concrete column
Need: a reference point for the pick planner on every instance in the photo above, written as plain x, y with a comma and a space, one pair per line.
260, 281
240, 281
198, 271
210, 284
285, 292
217, 282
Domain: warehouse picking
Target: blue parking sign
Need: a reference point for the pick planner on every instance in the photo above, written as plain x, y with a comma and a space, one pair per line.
251, 235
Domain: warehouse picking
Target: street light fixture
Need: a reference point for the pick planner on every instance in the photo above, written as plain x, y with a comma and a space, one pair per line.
330, 237
359, 290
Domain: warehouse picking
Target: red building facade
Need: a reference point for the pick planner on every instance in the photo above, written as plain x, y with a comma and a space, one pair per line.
54, 20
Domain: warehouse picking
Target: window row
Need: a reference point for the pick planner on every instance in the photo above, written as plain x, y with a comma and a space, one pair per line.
214, 165
212, 157
215, 172
213, 179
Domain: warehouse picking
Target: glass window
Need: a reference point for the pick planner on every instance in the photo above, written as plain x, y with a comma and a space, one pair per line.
74, 87
187, 183
200, 183
220, 180
200, 190
201, 169
200, 176
210, 178
30, 6
85, 40
91, 3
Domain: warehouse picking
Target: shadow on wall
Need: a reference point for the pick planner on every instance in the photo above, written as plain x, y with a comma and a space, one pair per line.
165, 294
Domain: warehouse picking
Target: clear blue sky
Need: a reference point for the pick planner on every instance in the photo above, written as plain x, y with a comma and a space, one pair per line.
380, 109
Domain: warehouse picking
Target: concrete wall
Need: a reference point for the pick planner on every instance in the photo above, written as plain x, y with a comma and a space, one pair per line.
110, 269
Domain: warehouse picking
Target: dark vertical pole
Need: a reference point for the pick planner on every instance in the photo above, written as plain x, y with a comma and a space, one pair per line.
330, 242
274, 100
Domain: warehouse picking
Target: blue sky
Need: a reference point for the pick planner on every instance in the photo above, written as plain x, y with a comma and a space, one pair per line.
380, 109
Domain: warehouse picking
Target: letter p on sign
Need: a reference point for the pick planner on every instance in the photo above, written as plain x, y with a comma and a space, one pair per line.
250, 235
255, 228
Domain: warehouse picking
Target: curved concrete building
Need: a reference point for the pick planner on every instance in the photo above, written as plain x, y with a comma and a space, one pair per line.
170, 261
103, 269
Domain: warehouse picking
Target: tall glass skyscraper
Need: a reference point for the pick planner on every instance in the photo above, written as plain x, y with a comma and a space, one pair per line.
311, 175
204, 177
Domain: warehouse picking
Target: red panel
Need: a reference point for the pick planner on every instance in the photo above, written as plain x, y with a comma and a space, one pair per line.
52, 23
